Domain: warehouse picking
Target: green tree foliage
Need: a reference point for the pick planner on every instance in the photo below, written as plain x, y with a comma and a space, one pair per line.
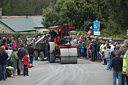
76, 12
23, 7
118, 15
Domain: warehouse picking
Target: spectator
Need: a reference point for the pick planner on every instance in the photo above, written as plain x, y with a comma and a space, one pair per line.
31, 51
125, 63
112, 46
103, 47
14, 59
98, 50
6, 50
90, 50
107, 54
21, 53
87, 46
123, 49
4, 40
94, 53
9, 52
113, 53
117, 68
3, 63
26, 62
28, 40
20, 41
9, 72
78, 36
33, 40
6, 45
14, 44
53, 35
82, 50
9, 40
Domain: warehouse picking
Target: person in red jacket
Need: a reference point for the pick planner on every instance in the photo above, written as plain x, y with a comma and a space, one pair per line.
26, 62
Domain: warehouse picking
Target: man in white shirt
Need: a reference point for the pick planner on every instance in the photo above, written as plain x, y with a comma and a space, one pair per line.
112, 46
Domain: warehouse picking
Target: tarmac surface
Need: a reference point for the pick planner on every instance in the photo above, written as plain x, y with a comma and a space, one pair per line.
45, 73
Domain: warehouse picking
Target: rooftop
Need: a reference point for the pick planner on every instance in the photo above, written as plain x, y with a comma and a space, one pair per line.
22, 23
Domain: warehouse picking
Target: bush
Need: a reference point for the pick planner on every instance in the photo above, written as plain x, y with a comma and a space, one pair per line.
113, 33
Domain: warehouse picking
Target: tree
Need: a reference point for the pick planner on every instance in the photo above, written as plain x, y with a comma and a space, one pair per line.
23, 7
118, 15
77, 13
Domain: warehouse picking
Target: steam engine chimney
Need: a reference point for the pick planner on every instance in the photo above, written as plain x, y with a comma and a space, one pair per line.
0, 13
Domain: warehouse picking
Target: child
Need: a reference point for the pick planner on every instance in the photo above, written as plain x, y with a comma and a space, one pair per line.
82, 50
25, 63
117, 68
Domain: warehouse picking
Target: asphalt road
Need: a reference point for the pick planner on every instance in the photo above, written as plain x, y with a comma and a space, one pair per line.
83, 73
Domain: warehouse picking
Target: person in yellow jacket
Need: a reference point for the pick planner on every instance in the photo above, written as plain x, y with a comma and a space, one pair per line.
125, 61
103, 47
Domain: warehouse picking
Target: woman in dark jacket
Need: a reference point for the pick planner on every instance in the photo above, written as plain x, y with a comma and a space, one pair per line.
3, 63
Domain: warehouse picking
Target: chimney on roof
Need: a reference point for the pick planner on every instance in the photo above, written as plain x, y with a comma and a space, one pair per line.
0, 13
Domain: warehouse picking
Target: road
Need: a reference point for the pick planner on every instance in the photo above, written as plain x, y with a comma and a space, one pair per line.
83, 73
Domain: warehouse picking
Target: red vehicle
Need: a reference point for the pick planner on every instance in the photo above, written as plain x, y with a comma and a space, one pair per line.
60, 47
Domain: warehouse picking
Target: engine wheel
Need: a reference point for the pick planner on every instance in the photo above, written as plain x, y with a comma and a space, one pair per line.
52, 57
36, 55
42, 56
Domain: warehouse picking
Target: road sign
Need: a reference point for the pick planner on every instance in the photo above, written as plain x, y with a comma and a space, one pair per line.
96, 27
97, 33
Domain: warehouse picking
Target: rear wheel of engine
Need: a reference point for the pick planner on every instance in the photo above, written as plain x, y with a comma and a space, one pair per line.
36, 55
42, 55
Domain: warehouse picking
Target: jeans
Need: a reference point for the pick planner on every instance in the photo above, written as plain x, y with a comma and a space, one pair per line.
126, 79
93, 56
8, 73
99, 56
119, 75
87, 54
123, 79
2, 72
31, 59
108, 63
15, 66
25, 70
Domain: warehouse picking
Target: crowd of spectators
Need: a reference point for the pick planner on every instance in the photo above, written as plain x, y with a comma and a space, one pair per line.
109, 53
14, 59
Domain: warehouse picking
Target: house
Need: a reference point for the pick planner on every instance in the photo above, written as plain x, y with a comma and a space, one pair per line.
21, 24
